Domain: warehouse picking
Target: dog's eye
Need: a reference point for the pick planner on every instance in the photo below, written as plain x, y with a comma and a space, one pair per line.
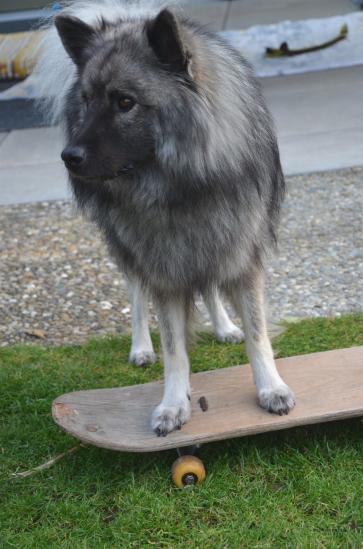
125, 103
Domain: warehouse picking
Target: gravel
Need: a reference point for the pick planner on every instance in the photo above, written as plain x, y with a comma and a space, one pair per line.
58, 285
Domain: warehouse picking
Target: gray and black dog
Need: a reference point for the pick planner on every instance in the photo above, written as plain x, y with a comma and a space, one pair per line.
171, 150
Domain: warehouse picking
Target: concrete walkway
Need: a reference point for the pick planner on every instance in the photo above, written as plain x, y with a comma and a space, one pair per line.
318, 115
241, 14
318, 118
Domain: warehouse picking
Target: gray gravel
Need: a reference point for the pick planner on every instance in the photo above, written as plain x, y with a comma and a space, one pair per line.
319, 269
58, 285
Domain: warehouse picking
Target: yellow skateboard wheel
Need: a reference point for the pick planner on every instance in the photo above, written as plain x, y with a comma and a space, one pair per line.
187, 471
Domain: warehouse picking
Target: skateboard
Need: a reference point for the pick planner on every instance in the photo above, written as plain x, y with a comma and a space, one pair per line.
328, 386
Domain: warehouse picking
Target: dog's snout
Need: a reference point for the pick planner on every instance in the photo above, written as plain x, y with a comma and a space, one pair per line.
73, 156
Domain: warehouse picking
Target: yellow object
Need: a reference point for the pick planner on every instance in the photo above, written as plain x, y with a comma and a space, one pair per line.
187, 470
17, 53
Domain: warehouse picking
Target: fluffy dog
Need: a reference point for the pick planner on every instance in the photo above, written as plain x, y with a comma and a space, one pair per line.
171, 150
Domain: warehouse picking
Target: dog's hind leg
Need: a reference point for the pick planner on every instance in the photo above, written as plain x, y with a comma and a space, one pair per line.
248, 298
142, 352
174, 409
224, 329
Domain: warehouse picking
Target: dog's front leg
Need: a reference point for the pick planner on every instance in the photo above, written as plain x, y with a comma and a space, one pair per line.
248, 297
142, 352
174, 409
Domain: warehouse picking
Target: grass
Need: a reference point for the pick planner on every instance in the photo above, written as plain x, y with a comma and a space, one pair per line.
296, 488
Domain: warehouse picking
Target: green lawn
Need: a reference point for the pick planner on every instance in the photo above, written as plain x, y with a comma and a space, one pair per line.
296, 488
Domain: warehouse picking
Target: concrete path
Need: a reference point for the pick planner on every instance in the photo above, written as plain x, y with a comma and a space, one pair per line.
241, 14
318, 115
318, 118
30, 166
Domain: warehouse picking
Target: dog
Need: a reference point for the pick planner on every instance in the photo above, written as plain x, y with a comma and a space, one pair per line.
171, 151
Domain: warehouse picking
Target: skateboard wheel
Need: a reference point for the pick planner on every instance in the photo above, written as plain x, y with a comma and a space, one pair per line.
187, 471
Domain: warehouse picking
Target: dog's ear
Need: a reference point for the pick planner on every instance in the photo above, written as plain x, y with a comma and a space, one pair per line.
76, 37
165, 39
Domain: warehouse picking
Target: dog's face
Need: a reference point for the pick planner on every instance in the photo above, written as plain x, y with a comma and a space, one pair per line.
114, 133
123, 81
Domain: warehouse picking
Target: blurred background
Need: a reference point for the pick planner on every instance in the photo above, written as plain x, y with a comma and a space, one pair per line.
57, 280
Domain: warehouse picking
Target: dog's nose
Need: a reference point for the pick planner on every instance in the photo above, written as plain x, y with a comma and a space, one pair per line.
73, 156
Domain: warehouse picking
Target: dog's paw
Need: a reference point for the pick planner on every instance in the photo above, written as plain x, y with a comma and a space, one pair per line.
277, 401
230, 335
166, 419
142, 358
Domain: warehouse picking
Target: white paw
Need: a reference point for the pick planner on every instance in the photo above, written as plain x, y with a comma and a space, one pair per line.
142, 358
166, 419
230, 335
277, 401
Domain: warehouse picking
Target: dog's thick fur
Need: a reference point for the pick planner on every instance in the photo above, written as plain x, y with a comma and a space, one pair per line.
171, 151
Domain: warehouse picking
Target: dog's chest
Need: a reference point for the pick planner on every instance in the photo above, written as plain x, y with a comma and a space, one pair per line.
171, 249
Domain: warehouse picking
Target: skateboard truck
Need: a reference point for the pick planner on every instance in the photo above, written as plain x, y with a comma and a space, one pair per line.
284, 50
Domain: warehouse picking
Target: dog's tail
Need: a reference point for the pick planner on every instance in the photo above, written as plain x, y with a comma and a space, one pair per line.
54, 71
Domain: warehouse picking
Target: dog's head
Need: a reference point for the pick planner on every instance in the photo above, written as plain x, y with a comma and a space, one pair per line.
126, 72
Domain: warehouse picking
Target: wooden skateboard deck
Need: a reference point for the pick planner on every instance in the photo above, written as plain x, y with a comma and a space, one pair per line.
328, 386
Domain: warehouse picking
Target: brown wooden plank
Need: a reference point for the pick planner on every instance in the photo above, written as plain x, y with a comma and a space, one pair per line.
328, 386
